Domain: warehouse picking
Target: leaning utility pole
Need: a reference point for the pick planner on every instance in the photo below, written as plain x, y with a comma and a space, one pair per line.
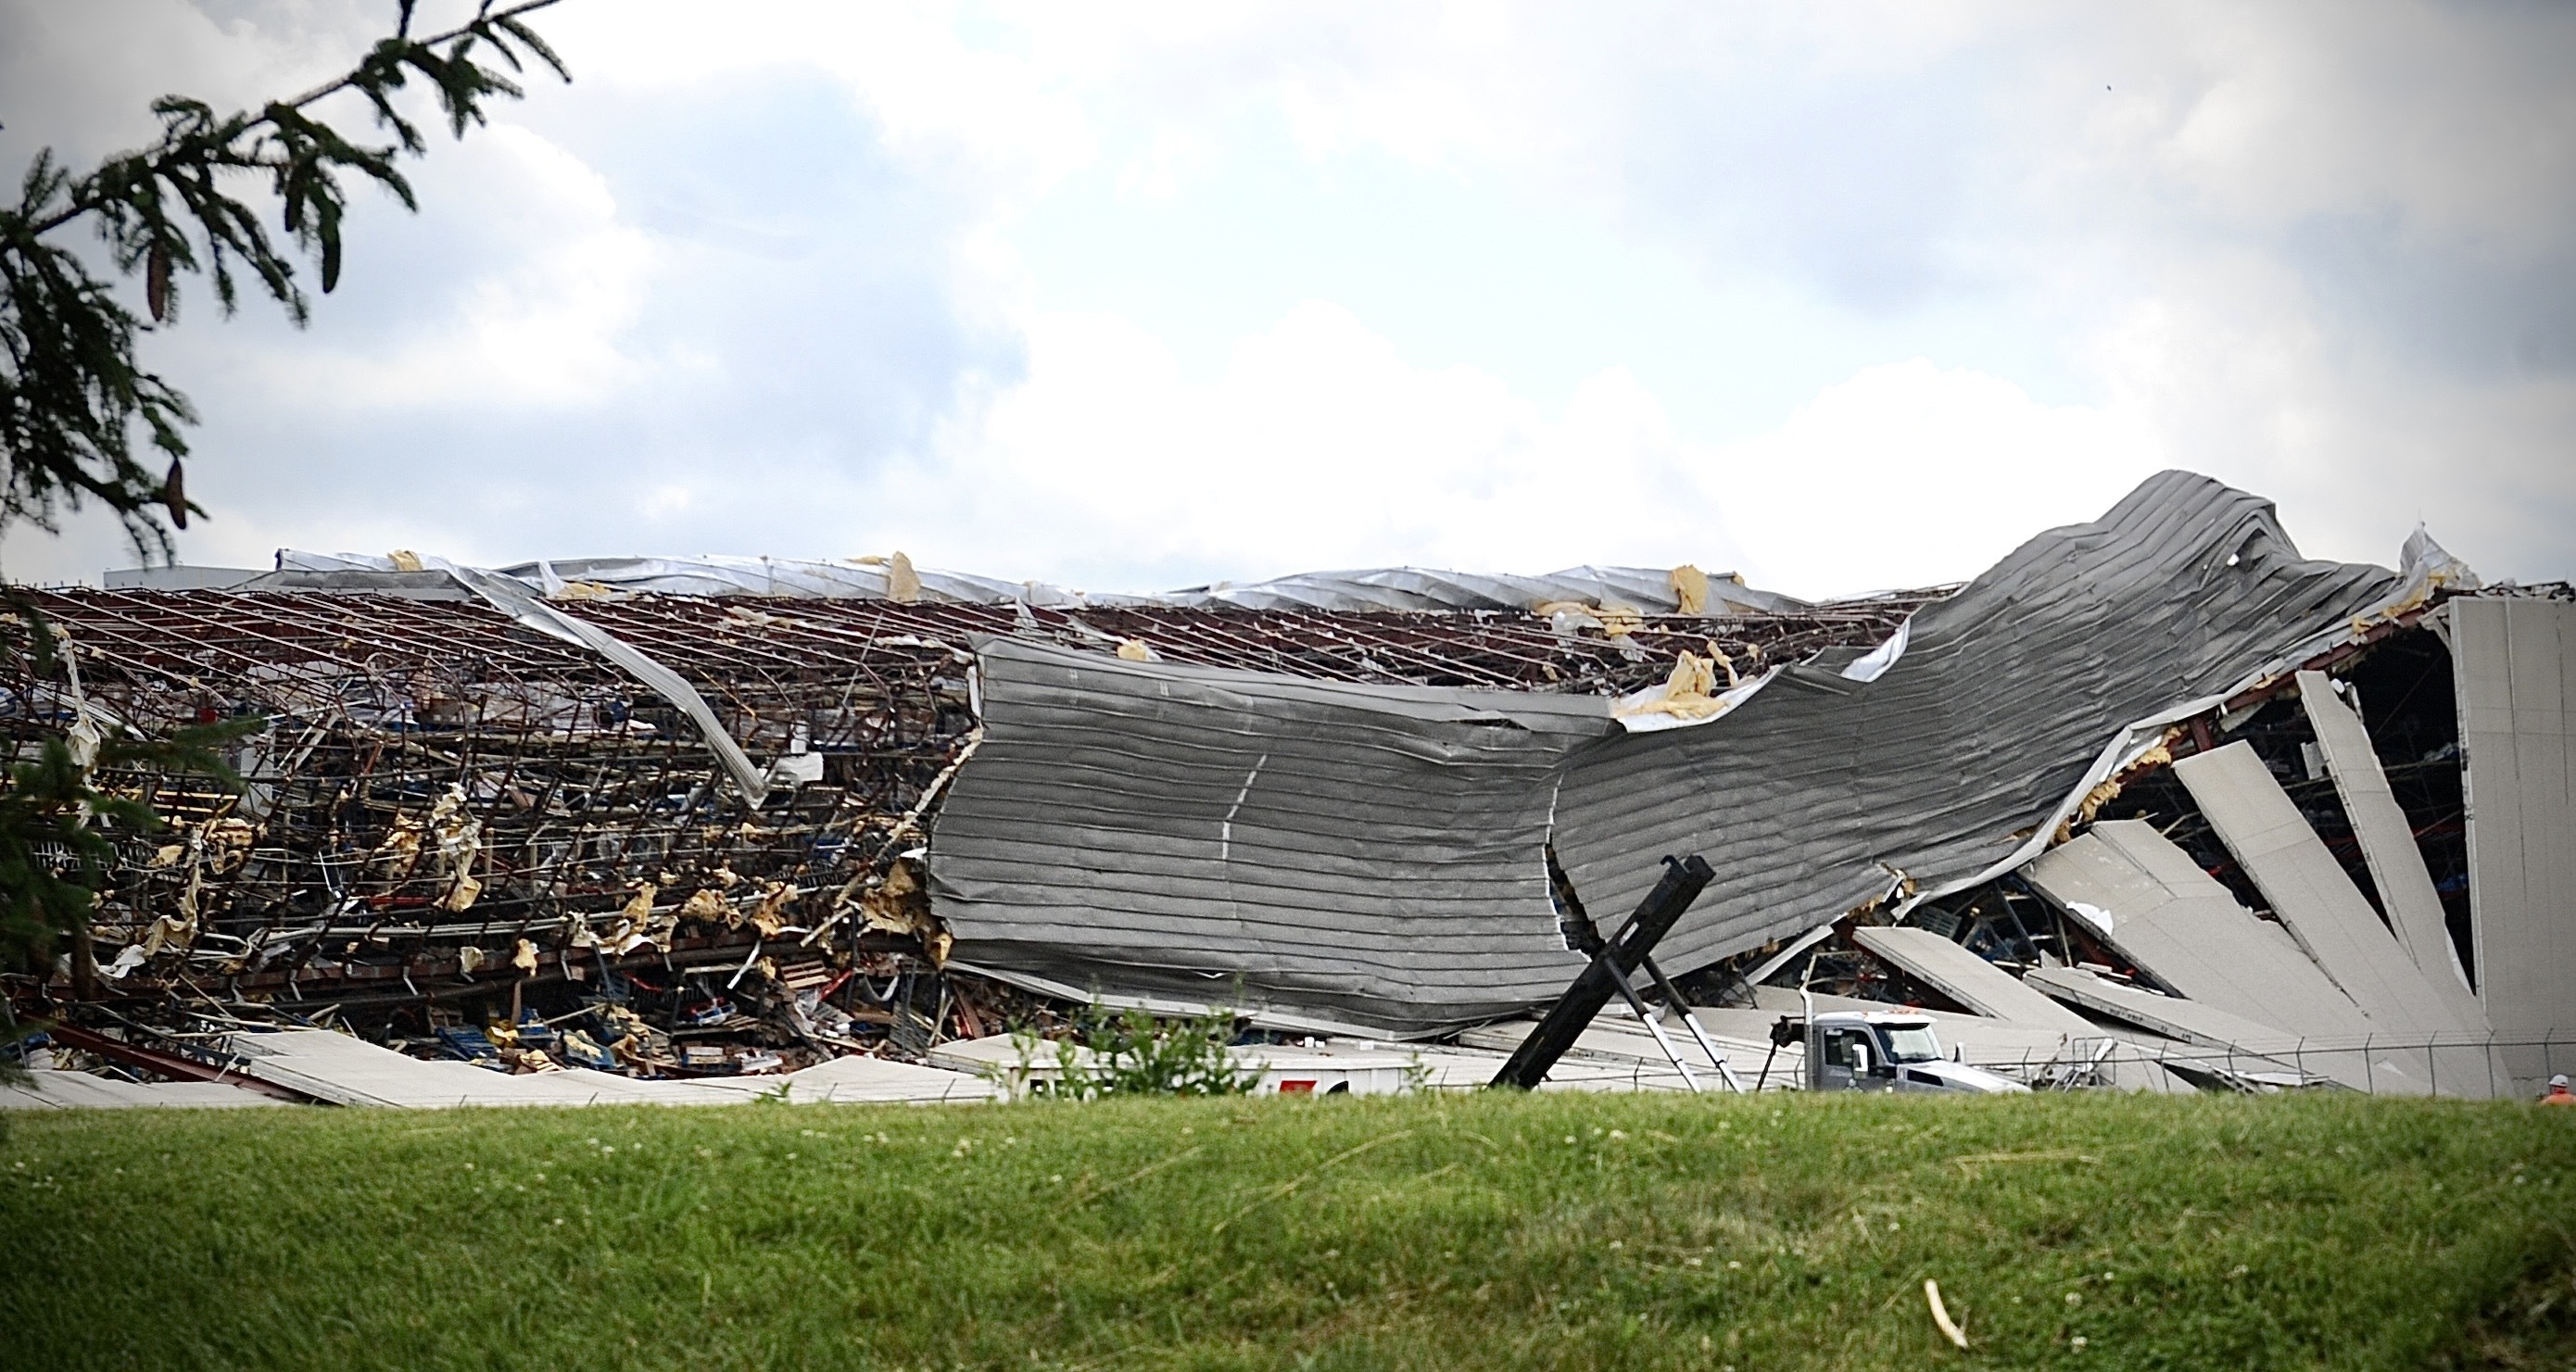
1684, 879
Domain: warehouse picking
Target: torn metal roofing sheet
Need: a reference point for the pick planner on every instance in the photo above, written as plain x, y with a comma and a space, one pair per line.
797, 578
1370, 854
1824, 793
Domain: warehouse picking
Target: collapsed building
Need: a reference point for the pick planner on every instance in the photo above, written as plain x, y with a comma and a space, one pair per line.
2155, 802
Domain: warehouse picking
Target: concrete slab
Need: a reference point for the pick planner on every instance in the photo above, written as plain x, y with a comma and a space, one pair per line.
56, 1090
1995, 993
2356, 1062
2308, 889
2178, 922
2388, 846
345, 1071
348, 1071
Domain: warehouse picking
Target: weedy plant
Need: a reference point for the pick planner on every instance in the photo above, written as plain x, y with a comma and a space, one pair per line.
1131, 1053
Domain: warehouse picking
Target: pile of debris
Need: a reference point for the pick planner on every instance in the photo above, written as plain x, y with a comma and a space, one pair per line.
472, 828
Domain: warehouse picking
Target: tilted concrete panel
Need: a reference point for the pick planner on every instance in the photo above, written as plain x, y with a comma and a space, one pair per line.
2514, 662
2308, 889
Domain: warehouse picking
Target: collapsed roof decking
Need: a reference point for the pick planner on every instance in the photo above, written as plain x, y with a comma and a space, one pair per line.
1647, 590
1819, 794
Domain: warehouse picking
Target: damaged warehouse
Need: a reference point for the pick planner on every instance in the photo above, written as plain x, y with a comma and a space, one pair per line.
2154, 803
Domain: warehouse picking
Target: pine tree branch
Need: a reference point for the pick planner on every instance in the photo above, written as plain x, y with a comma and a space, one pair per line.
70, 384
378, 61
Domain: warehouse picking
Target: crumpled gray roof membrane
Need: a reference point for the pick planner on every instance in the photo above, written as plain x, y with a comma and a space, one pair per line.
1374, 854
1818, 794
1370, 854
1384, 865
710, 575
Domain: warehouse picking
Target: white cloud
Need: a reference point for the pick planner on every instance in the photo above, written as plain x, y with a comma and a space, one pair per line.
756, 276
2458, 117
1316, 446
80, 78
1006, 118
538, 327
1909, 473
2229, 372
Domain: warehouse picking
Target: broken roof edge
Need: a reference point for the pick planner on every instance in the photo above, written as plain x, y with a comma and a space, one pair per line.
1646, 589
2426, 571
1674, 705
1557, 712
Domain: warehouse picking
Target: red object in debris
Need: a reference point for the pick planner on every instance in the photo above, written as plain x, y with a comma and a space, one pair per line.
173, 1065
1297, 1088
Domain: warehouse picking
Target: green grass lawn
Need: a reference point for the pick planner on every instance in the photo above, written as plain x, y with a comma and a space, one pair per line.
1486, 1231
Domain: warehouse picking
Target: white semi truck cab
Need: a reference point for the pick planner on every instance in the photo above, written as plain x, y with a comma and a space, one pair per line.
1882, 1050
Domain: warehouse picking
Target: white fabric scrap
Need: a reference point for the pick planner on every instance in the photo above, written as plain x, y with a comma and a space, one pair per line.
1871, 665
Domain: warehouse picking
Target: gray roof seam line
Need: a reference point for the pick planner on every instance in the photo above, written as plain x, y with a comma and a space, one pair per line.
1365, 869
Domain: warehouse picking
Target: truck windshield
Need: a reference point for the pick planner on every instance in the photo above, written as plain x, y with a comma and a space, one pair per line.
1910, 1043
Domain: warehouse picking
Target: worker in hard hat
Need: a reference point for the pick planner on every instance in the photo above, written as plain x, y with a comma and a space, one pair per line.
2558, 1092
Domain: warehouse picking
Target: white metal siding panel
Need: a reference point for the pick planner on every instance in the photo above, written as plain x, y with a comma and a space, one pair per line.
2245, 1045
1968, 979
2511, 663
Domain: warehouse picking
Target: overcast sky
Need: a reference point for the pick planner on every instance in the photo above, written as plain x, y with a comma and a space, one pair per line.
1132, 297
